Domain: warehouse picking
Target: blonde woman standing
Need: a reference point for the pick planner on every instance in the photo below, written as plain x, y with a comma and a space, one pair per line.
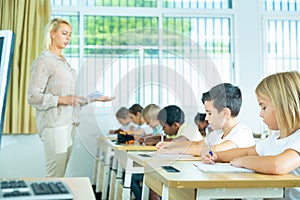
52, 91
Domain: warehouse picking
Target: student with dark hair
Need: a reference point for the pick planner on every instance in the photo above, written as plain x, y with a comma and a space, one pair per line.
142, 128
202, 123
222, 104
172, 119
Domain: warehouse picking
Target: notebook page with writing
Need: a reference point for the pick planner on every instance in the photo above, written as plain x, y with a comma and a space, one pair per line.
220, 167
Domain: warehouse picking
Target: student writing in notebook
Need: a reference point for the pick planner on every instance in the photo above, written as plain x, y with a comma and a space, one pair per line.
278, 97
172, 120
124, 119
222, 104
142, 128
149, 114
202, 123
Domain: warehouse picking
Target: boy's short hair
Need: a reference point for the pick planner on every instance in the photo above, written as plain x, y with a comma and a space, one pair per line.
122, 113
205, 97
226, 95
151, 111
170, 115
200, 117
135, 108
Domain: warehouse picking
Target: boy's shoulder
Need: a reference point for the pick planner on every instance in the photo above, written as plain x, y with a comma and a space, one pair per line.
244, 127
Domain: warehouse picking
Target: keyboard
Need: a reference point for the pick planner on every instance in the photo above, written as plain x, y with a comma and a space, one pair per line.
34, 190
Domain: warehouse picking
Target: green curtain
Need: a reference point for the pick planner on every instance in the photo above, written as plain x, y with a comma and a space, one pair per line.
27, 19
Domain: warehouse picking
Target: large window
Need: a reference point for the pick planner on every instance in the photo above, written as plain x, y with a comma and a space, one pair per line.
134, 50
282, 41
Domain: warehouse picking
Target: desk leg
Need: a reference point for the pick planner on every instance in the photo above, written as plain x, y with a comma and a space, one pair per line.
106, 175
145, 190
98, 176
105, 182
101, 157
119, 179
113, 177
127, 185
95, 171
127, 178
112, 185
165, 192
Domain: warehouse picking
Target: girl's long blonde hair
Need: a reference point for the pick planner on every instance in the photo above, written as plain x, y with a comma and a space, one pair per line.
283, 90
52, 26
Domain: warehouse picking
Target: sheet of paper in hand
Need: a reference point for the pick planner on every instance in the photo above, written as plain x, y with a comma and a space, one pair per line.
96, 94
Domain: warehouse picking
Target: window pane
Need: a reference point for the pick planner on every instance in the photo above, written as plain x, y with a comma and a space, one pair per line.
282, 5
115, 31
199, 4
211, 34
64, 2
121, 3
283, 42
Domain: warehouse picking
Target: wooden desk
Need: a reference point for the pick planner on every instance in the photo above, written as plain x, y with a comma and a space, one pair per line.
106, 156
138, 157
133, 162
80, 186
190, 183
100, 162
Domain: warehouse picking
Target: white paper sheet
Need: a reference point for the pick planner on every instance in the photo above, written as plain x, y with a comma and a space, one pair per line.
220, 167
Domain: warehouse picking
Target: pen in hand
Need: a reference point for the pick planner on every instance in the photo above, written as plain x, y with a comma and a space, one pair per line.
208, 143
210, 149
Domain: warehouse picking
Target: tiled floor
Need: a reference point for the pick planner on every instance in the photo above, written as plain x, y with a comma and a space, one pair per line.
23, 156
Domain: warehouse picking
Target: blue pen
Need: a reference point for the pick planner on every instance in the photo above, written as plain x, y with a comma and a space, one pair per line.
208, 143
210, 149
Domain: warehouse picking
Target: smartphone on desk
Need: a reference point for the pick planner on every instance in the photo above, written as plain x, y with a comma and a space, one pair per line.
170, 169
144, 155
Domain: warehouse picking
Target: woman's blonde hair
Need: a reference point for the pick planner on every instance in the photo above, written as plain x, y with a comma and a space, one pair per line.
283, 90
53, 25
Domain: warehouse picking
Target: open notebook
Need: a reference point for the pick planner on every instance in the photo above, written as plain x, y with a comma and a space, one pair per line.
220, 167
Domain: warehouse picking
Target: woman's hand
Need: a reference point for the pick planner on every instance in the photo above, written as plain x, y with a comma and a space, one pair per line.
72, 100
103, 99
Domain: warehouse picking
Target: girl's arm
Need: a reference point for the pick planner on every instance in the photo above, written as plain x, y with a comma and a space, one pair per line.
279, 164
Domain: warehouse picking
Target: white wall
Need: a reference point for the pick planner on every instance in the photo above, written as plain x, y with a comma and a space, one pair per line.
249, 60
